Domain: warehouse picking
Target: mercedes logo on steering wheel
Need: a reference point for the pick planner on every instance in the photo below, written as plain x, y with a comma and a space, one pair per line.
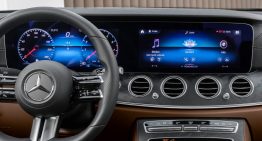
39, 86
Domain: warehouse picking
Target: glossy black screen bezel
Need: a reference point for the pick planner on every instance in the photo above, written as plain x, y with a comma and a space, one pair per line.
128, 39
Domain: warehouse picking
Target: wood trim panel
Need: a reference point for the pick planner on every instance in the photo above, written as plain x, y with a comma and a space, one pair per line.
14, 121
123, 120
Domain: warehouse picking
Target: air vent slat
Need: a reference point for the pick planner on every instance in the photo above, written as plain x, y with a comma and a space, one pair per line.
241, 86
240, 82
208, 87
140, 86
173, 87
173, 83
134, 87
139, 82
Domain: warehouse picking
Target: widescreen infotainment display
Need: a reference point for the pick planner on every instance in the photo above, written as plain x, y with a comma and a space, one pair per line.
139, 46
197, 47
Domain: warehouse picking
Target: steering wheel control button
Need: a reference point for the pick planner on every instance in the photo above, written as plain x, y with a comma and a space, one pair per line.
87, 95
88, 87
39, 86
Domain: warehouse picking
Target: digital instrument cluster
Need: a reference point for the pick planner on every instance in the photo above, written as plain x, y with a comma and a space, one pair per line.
140, 46
58, 42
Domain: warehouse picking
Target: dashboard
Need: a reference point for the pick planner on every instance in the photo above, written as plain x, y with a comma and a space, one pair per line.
168, 59
174, 64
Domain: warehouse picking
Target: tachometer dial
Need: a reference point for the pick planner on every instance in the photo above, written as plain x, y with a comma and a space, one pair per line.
112, 40
35, 44
90, 59
89, 54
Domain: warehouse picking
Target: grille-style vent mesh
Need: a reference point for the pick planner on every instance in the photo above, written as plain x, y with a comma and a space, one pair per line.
173, 87
241, 87
208, 88
140, 86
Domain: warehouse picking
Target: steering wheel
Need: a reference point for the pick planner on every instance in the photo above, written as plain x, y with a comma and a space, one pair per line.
46, 89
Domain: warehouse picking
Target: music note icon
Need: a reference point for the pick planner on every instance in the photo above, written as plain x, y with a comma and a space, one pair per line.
156, 43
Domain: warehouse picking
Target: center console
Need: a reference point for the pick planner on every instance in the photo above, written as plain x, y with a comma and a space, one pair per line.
191, 130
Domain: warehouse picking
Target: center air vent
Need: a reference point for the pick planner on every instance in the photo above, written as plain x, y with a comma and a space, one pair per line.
241, 86
140, 86
173, 87
208, 87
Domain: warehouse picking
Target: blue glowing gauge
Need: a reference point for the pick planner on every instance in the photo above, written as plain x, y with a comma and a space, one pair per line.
35, 44
112, 40
90, 58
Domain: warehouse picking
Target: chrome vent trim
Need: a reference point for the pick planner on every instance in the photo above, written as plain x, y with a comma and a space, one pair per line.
173, 87
140, 86
241, 86
208, 87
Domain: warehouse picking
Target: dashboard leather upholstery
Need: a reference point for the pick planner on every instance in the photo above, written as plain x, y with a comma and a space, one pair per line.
224, 4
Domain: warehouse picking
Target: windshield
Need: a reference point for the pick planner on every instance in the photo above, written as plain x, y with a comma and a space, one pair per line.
209, 4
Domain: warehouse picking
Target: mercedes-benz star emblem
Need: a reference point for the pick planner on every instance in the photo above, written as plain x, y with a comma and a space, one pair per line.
39, 86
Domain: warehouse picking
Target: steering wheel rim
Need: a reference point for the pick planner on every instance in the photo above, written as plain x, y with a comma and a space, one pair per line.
110, 85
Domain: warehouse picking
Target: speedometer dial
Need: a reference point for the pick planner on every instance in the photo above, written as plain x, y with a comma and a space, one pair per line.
35, 44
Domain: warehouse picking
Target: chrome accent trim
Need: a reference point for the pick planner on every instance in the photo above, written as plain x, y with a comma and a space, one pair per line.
173, 77
38, 86
208, 77
2, 76
7, 89
241, 77
35, 130
165, 129
50, 128
189, 106
235, 128
217, 129
150, 139
191, 128
140, 76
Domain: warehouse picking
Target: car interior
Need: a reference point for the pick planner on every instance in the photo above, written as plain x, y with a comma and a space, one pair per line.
132, 70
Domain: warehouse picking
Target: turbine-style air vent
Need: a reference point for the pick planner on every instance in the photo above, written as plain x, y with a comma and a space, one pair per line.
241, 86
173, 87
140, 86
208, 87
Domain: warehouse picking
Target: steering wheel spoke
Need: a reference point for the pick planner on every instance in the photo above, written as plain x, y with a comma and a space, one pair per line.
44, 128
87, 87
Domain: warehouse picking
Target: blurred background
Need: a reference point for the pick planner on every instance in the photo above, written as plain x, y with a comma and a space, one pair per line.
217, 4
